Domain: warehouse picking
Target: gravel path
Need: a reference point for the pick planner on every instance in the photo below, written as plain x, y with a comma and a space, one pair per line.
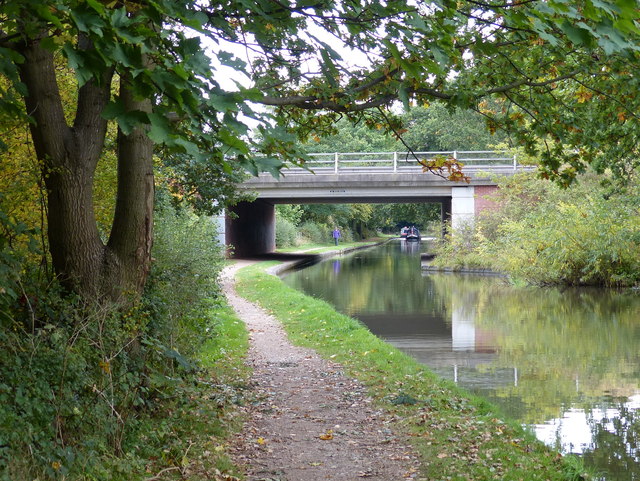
312, 422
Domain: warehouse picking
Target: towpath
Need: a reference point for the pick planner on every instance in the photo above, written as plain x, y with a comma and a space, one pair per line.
311, 422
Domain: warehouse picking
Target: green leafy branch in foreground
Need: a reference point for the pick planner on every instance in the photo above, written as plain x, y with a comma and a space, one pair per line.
458, 436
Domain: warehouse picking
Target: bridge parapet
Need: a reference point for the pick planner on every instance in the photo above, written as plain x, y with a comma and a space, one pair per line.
336, 163
371, 177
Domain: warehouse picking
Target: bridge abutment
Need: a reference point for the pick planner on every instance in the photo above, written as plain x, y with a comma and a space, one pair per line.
251, 228
462, 206
484, 199
468, 202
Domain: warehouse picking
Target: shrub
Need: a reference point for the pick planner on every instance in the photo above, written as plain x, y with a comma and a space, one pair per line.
292, 212
183, 279
316, 233
79, 382
346, 235
286, 233
583, 235
461, 249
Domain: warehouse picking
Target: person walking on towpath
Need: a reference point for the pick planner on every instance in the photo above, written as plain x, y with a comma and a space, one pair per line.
336, 235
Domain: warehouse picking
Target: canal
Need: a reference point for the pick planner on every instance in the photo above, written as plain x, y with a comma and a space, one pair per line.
565, 362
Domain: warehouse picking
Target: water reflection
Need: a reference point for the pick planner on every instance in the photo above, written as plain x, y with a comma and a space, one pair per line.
565, 361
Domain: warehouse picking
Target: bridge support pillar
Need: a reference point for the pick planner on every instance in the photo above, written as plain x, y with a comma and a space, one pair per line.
252, 230
462, 206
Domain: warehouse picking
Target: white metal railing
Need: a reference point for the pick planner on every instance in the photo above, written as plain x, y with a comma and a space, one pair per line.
380, 162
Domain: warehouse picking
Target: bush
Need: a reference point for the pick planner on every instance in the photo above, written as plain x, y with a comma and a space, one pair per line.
316, 233
583, 235
183, 279
292, 212
586, 241
286, 233
346, 235
461, 249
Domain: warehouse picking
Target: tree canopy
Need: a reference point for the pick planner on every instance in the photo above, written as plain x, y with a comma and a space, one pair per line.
432, 128
560, 74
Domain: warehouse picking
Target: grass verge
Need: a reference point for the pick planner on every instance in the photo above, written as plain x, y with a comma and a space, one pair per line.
197, 430
458, 436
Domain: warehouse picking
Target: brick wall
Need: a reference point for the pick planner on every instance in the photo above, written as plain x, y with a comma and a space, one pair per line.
483, 201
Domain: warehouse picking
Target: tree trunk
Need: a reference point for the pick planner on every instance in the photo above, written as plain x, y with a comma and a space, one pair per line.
129, 247
69, 156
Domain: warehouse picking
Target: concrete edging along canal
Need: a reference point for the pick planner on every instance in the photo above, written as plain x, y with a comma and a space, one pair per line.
301, 258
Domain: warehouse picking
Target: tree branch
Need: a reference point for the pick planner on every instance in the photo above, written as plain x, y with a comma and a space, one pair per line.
89, 126
314, 103
529, 83
44, 103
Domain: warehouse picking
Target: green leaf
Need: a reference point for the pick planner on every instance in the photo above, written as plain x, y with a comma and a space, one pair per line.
195, 20
223, 102
180, 359
440, 55
233, 142
329, 69
127, 55
160, 131
87, 20
77, 63
253, 94
43, 10
113, 110
271, 165
577, 35
230, 60
122, 25
189, 147
97, 6
127, 120
403, 95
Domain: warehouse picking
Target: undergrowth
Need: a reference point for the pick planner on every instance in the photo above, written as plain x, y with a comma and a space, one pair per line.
541, 234
457, 435
94, 392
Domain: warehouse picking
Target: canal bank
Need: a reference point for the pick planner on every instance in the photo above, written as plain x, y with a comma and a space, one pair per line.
298, 259
456, 435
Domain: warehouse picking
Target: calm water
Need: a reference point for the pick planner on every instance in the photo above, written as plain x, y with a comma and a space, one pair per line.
564, 361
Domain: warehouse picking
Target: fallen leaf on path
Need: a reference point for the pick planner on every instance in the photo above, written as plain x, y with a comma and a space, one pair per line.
219, 476
328, 436
365, 474
261, 441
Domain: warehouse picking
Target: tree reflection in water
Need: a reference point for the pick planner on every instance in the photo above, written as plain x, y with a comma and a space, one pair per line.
615, 442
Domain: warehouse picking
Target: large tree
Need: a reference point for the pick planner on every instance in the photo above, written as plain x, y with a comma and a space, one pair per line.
562, 72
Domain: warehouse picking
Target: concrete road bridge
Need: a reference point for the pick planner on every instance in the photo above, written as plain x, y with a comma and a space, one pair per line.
382, 177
